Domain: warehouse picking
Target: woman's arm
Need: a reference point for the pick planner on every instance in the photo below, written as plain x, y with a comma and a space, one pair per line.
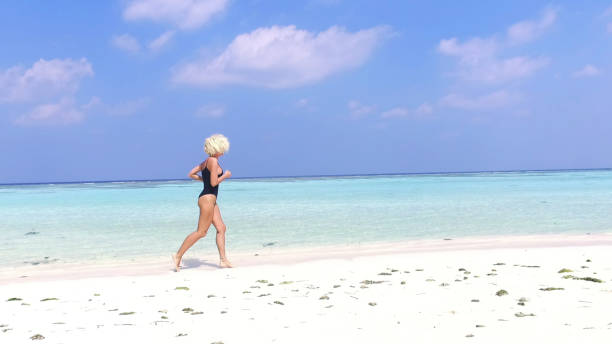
214, 166
193, 174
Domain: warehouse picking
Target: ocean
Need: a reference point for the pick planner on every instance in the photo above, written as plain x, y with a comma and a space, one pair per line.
115, 221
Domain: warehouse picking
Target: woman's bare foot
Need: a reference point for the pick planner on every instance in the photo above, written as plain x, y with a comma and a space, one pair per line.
224, 263
177, 263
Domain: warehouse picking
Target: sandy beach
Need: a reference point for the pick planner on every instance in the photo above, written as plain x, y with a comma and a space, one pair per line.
540, 289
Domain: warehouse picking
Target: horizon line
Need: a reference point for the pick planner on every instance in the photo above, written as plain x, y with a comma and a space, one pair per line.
314, 176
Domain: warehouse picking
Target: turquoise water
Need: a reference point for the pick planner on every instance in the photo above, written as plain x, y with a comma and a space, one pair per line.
123, 220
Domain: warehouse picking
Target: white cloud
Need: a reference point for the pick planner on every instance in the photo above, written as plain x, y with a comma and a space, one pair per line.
529, 30
210, 111
161, 41
302, 102
129, 107
282, 57
126, 42
359, 110
396, 112
46, 78
587, 71
422, 111
64, 112
493, 100
185, 14
479, 58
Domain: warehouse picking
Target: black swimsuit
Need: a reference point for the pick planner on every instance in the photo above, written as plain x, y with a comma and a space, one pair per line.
208, 188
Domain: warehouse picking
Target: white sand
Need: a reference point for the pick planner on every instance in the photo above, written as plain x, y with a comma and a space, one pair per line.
324, 299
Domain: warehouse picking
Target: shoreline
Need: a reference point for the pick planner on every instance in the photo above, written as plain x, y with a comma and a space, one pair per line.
287, 256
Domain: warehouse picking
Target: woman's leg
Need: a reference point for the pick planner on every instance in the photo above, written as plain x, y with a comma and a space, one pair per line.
207, 205
217, 221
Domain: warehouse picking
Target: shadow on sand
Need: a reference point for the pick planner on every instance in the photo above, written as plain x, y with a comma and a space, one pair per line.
192, 263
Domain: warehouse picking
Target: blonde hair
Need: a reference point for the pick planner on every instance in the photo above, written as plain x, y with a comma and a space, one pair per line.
216, 143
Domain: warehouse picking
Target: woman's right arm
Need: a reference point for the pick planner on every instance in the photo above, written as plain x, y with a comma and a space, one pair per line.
214, 179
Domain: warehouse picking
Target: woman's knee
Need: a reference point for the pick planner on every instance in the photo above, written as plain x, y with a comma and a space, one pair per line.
221, 229
201, 233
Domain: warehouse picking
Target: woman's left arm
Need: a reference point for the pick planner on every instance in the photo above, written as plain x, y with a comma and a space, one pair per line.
193, 174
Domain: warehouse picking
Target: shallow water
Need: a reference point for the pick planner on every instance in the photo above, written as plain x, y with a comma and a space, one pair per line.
124, 220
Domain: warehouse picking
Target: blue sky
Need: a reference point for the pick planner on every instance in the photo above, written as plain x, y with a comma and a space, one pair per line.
129, 89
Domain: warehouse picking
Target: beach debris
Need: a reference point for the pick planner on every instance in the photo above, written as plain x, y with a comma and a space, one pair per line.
394, 270
262, 295
430, 280
269, 244
181, 334
443, 284
329, 306
491, 274
371, 282
270, 284
165, 311
384, 274
336, 285
418, 269
187, 310
551, 289
223, 312
324, 297
96, 294
3, 325
13, 299
181, 288
499, 264
372, 304
584, 267
211, 295
216, 343
113, 310
478, 325
25, 304
49, 299
521, 315
469, 335
286, 282
406, 271
126, 313
501, 292
246, 292
447, 239
461, 269
590, 279
588, 260
403, 282
530, 266
37, 337
254, 287
262, 281
196, 313
164, 317
475, 300
279, 303
564, 270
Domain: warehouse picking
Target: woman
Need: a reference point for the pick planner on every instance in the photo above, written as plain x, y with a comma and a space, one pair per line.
212, 175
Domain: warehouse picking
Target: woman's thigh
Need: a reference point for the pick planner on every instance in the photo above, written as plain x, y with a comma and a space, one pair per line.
217, 221
207, 204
